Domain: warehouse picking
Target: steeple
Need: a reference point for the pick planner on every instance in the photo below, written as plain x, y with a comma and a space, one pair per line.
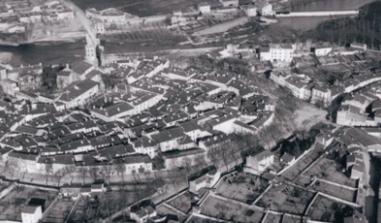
91, 50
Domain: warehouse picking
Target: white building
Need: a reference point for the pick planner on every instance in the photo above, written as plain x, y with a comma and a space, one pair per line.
320, 94
351, 116
322, 51
251, 11
278, 52
260, 162
31, 214
78, 93
143, 214
229, 3
206, 181
204, 8
267, 10
299, 85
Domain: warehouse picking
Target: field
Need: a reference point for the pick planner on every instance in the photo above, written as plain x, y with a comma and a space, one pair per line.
12, 204
326, 169
222, 209
79, 214
106, 204
141, 40
242, 187
58, 211
343, 193
222, 27
3, 185
164, 210
286, 198
196, 219
272, 218
293, 172
324, 209
140, 7
290, 219
182, 202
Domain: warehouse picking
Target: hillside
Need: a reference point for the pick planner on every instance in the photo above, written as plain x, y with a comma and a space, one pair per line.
365, 28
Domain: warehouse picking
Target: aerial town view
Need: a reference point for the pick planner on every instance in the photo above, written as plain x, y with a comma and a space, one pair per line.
190, 111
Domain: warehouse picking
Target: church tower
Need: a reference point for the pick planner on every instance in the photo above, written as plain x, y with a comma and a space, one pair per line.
91, 50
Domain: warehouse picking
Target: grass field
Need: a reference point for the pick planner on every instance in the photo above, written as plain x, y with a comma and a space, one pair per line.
294, 171
12, 204
242, 186
164, 210
324, 209
141, 7
272, 218
58, 211
182, 202
326, 169
345, 194
286, 198
218, 208
141, 40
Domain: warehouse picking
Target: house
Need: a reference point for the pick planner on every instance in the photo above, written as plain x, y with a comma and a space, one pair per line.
81, 68
193, 130
374, 132
78, 93
351, 116
357, 171
9, 87
299, 85
267, 10
145, 145
207, 180
251, 11
361, 101
321, 94
85, 191
31, 214
287, 159
114, 111
229, 3
183, 158
137, 163
97, 188
278, 53
65, 78
258, 163
204, 8
322, 50
142, 213
168, 139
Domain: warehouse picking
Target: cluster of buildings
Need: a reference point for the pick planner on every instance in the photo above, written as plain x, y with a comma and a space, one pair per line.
319, 74
212, 13
111, 19
152, 109
360, 108
17, 16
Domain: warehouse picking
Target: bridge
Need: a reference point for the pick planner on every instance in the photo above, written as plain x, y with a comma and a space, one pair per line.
318, 13
92, 42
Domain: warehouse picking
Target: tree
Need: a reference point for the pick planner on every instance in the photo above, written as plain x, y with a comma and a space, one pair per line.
48, 169
121, 170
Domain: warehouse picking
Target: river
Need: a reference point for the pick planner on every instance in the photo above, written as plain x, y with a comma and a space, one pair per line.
68, 52
49, 53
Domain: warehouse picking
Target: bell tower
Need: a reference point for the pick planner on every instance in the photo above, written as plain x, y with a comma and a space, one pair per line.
91, 49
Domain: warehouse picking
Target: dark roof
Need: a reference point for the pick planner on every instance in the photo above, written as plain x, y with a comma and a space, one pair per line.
80, 67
